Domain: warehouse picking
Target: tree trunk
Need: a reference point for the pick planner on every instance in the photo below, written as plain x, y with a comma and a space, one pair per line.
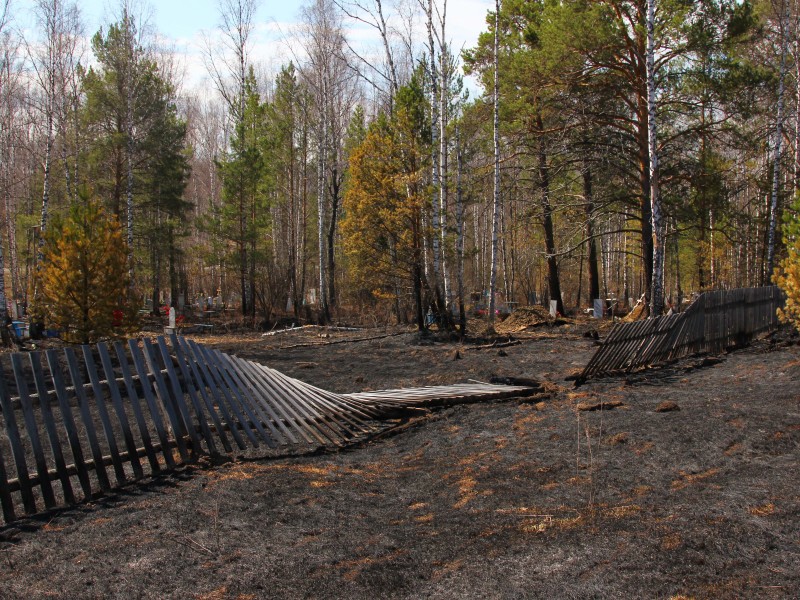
594, 273
462, 315
553, 280
496, 199
657, 285
776, 159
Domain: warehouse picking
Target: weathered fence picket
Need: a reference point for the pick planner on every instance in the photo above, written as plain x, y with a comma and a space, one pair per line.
714, 321
147, 407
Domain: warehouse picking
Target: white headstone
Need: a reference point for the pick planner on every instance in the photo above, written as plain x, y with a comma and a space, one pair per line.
172, 317
553, 308
598, 308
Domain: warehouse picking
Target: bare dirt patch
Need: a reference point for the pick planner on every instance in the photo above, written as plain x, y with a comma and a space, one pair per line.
496, 500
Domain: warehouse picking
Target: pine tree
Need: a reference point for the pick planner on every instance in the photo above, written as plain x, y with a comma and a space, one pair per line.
84, 276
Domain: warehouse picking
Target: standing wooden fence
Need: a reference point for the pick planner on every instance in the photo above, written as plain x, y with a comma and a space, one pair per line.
715, 321
82, 421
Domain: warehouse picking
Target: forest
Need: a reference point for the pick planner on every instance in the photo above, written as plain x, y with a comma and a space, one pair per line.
615, 150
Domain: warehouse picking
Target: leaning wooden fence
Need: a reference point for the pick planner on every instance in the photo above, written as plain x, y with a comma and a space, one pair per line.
70, 429
712, 323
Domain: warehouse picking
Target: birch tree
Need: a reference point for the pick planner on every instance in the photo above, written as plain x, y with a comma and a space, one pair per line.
8, 50
52, 62
229, 70
328, 80
657, 286
782, 7
496, 137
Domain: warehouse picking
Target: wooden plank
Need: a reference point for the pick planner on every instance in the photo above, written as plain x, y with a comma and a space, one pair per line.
17, 449
338, 418
68, 421
132, 399
150, 402
272, 389
105, 420
275, 421
206, 380
271, 399
32, 430
116, 400
191, 390
178, 397
50, 427
6, 501
238, 391
222, 385
298, 414
178, 428
355, 409
86, 417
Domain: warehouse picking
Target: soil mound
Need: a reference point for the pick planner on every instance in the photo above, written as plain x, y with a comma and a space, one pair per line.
524, 317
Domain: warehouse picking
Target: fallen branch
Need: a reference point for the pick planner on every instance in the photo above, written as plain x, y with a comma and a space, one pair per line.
364, 339
495, 345
301, 327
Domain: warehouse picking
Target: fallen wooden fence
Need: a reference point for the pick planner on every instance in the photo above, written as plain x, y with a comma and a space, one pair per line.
94, 418
715, 321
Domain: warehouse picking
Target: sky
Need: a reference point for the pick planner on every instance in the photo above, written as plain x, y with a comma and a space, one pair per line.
183, 23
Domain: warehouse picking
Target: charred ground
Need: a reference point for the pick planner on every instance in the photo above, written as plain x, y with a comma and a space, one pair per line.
500, 500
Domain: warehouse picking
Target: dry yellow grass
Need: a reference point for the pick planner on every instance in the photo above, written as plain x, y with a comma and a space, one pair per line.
687, 479
764, 510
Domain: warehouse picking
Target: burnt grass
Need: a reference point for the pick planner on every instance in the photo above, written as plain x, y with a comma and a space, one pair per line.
511, 499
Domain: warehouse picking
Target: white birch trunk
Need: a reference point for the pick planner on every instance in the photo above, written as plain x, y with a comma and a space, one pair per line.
797, 97
321, 204
657, 299
776, 157
436, 183
460, 235
496, 200
444, 91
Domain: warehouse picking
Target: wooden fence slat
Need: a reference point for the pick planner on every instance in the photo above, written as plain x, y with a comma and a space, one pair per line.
249, 397
238, 391
17, 449
6, 501
313, 406
179, 399
358, 410
83, 406
137, 356
220, 396
190, 389
32, 429
340, 414
178, 428
68, 420
284, 417
116, 400
223, 385
50, 427
268, 417
278, 397
713, 323
133, 401
105, 420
